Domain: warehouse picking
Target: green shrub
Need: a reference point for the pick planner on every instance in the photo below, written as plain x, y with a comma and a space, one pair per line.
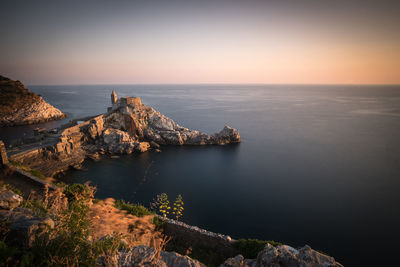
37, 174
134, 209
109, 245
11, 256
15, 163
158, 223
37, 206
67, 244
249, 248
78, 191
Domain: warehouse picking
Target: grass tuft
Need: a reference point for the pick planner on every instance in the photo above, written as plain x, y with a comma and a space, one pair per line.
134, 209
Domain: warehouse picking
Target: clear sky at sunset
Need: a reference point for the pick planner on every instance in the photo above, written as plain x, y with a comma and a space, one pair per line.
108, 42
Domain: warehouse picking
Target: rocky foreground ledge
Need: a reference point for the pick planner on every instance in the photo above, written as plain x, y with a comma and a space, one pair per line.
128, 126
24, 227
19, 106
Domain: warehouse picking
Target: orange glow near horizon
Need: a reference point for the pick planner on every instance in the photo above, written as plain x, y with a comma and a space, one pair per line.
223, 44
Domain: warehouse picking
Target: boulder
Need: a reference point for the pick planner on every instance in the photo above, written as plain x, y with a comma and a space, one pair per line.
227, 135
142, 147
239, 261
8, 199
284, 256
95, 128
114, 136
23, 226
143, 256
154, 144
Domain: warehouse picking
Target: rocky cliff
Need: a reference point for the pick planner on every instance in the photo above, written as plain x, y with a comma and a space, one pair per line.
19, 106
24, 227
128, 126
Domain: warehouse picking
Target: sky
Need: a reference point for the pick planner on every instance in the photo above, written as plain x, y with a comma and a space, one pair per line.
151, 42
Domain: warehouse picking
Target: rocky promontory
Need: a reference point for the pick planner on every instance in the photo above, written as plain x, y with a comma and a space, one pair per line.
19, 106
126, 127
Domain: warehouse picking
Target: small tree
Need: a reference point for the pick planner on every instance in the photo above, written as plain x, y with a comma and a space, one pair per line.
164, 206
177, 211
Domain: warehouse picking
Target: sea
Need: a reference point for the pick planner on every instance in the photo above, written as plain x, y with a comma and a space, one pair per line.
317, 165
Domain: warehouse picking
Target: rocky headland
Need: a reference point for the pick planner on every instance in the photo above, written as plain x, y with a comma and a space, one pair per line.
126, 127
19, 106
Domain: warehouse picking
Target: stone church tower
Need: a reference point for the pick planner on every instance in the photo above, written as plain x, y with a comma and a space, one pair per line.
113, 97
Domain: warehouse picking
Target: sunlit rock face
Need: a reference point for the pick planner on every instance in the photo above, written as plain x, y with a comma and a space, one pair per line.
19, 106
128, 126
144, 122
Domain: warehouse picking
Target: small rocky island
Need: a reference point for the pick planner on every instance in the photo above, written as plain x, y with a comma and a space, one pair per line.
127, 126
19, 106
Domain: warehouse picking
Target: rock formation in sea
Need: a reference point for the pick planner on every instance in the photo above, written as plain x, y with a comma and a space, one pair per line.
19, 106
127, 126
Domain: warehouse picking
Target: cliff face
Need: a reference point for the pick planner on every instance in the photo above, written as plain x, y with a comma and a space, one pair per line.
19, 106
127, 127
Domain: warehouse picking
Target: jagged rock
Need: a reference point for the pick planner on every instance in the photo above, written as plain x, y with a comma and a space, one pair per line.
95, 127
227, 135
8, 199
143, 256
178, 260
113, 136
239, 261
94, 156
142, 146
154, 144
284, 256
23, 226
18, 106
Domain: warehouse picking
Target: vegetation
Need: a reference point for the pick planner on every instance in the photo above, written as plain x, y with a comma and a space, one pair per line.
67, 244
12, 188
161, 205
177, 211
164, 207
249, 248
34, 172
134, 209
159, 223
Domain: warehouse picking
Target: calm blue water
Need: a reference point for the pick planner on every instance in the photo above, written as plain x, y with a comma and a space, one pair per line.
318, 165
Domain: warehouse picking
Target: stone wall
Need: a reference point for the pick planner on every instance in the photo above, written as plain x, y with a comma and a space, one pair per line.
192, 239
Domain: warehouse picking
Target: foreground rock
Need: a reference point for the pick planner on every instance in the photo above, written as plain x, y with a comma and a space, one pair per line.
128, 126
8, 199
19, 106
144, 256
21, 222
284, 256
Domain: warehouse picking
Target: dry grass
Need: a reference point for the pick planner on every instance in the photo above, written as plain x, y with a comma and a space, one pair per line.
108, 220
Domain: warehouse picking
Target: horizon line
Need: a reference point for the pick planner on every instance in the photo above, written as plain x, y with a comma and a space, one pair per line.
306, 84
